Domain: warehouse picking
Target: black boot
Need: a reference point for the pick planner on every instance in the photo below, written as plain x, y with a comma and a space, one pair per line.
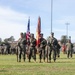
24, 60
29, 60
19, 60
54, 60
40, 60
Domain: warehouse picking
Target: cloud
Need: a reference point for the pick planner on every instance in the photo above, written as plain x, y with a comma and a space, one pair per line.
8, 14
32, 5
12, 23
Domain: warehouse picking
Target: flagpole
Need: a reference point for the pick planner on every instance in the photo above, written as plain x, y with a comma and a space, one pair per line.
51, 14
28, 29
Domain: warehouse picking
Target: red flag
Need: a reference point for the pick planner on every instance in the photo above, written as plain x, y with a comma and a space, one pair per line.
38, 31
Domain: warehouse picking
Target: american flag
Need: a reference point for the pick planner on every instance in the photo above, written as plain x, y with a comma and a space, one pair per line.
28, 29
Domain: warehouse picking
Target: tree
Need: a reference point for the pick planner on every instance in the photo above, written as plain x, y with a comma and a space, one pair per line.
0, 40
63, 39
9, 39
12, 38
6, 40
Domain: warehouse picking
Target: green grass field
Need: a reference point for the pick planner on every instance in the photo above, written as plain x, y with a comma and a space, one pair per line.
62, 66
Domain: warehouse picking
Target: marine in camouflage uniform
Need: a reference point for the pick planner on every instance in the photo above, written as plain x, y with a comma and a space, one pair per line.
42, 51
22, 42
52, 43
32, 49
69, 48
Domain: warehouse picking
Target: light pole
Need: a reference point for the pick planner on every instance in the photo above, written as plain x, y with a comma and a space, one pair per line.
51, 14
67, 29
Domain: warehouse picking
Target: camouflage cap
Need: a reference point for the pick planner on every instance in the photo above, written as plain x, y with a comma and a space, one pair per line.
52, 33
21, 33
41, 34
31, 34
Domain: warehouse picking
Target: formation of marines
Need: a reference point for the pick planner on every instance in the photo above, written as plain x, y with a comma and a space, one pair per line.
45, 49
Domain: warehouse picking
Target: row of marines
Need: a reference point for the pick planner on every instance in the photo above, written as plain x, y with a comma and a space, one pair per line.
47, 49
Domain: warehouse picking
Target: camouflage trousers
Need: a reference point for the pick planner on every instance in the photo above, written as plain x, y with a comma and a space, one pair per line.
52, 50
42, 53
69, 53
22, 53
32, 53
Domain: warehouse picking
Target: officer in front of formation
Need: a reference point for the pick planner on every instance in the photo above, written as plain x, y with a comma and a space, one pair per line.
52, 43
42, 51
22, 42
32, 49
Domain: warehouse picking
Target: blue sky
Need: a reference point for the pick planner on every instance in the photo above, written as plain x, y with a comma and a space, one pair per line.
14, 16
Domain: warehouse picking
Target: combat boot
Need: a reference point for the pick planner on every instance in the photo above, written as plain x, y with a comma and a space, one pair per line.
19, 60
40, 60
24, 60
54, 60
29, 60
49, 61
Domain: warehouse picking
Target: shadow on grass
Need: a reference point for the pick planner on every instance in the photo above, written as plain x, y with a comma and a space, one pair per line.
3, 70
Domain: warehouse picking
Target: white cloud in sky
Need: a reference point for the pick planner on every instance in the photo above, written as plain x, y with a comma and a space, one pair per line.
12, 23
10, 15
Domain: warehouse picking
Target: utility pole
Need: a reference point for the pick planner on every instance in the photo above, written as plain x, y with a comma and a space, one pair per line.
51, 14
67, 29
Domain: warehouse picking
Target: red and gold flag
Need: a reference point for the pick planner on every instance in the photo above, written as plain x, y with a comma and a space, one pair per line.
38, 31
